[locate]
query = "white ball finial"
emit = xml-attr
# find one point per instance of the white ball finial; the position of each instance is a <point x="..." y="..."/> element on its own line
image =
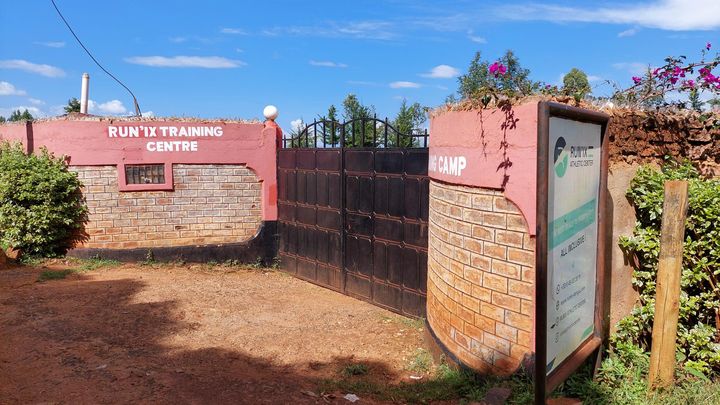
<point x="270" y="112"/>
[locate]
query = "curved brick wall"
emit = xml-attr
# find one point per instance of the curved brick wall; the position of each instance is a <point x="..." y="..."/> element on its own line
<point x="480" y="277"/>
<point x="210" y="204"/>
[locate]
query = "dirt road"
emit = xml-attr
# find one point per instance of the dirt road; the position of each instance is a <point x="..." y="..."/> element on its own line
<point x="186" y="334"/>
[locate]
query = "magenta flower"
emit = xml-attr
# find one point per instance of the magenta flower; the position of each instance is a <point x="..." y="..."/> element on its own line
<point x="708" y="46"/>
<point x="497" y="69"/>
<point x="690" y="84"/>
<point x="636" y="80"/>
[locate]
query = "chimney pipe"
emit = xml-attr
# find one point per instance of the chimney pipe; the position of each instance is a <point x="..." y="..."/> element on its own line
<point x="84" y="93"/>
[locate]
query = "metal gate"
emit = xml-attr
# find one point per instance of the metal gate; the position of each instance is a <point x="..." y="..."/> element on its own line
<point x="353" y="210"/>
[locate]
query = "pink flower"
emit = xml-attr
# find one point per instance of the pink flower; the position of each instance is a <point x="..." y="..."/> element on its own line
<point x="636" y="80"/>
<point x="497" y="69"/>
<point x="708" y="46"/>
<point x="690" y="84"/>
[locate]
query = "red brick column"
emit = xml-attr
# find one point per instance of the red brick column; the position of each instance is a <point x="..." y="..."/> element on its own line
<point x="480" y="277"/>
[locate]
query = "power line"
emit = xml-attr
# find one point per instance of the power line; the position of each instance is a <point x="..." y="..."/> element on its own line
<point x="137" y="107"/>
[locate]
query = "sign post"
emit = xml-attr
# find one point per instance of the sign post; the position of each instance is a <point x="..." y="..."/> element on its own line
<point x="569" y="258"/>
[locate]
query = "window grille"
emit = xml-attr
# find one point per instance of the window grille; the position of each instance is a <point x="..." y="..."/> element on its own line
<point x="145" y="174"/>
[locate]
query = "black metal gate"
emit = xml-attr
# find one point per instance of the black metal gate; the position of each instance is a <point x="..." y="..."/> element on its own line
<point x="353" y="211"/>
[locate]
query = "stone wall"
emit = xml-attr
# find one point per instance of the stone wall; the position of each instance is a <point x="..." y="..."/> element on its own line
<point x="210" y="204"/>
<point x="480" y="277"/>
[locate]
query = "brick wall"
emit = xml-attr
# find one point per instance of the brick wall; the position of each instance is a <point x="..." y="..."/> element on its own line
<point x="210" y="204"/>
<point x="480" y="277"/>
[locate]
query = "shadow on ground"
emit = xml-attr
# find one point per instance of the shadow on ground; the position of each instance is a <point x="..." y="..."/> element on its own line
<point x="81" y="340"/>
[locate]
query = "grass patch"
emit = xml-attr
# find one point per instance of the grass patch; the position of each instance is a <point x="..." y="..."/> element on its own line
<point x="96" y="263"/>
<point x="412" y="323"/>
<point x="55" y="274"/>
<point x="354" y="369"/>
<point x="622" y="380"/>
<point x="446" y="384"/>
<point x="421" y="362"/>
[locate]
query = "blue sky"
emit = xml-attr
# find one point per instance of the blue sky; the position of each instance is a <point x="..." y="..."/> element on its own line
<point x="231" y="58"/>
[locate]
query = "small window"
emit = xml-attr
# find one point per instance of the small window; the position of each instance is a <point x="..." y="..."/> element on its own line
<point x="145" y="174"/>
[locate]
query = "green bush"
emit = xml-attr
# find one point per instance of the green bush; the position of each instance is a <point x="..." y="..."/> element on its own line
<point x="41" y="209"/>
<point x="698" y="346"/>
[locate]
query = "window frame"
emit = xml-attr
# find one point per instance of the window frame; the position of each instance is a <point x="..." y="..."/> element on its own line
<point x="124" y="186"/>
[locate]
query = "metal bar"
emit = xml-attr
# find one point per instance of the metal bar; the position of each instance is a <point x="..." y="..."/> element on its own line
<point x="385" y="131"/>
<point x="362" y="128"/>
<point x="343" y="219"/>
<point x="374" y="124"/>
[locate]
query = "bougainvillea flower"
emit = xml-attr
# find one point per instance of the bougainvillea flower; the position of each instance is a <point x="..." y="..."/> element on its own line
<point x="636" y="80"/>
<point x="497" y="68"/>
<point x="690" y="84"/>
<point x="708" y="46"/>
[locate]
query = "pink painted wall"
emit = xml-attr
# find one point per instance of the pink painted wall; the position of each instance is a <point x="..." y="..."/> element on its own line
<point x="90" y="142"/>
<point x="499" y="148"/>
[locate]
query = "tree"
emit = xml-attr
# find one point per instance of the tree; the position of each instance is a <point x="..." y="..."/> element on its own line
<point x="408" y="118"/>
<point x="362" y="127"/>
<point x="299" y="138"/>
<point x="331" y="127"/>
<point x="576" y="84"/>
<point x="479" y="82"/>
<point x="73" y="106"/>
<point x="2" y="119"/>
<point x="20" y="116"/>
<point x="694" y="98"/>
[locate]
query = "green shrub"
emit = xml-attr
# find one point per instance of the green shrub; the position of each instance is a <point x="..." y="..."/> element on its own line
<point x="41" y="208"/>
<point x="698" y="336"/>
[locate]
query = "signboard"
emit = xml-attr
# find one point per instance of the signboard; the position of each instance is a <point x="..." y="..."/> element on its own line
<point x="570" y="271"/>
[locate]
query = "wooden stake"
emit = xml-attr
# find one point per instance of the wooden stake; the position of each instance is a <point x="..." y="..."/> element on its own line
<point x="667" y="294"/>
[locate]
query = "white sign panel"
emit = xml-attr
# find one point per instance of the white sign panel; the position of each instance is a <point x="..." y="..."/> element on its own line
<point x="573" y="198"/>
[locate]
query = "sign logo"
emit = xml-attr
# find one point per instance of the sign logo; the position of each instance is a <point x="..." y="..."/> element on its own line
<point x="561" y="157"/>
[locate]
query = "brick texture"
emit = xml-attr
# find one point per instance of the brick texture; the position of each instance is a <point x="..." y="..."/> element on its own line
<point x="210" y="204"/>
<point x="481" y="308"/>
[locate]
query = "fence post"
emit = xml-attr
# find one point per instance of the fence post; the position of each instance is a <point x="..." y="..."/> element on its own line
<point x="667" y="294"/>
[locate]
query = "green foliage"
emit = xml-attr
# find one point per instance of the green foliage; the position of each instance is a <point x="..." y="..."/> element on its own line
<point x="408" y="119"/>
<point x="73" y="106"/>
<point x="421" y="361"/>
<point x="20" y="116"/>
<point x="2" y="119"/>
<point x="698" y="338"/>
<point x="354" y="369"/>
<point x="622" y="380"/>
<point x="479" y="83"/>
<point x="353" y="109"/>
<point x="41" y="208"/>
<point x="694" y="99"/>
<point x="576" y="84"/>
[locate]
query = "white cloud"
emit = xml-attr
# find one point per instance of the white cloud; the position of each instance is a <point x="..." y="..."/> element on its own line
<point x="362" y="83"/>
<point x="148" y="114"/>
<point x="178" y="40"/>
<point x="45" y="70"/>
<point x="112" y="107"/>
<point x="296" y="125"/>
<point x="379" y="30"/>
<point x="672" y="15"/>
<point x="593" y="78"/>
<point x="36" y="101"/>
<point x="52" y="44"/>
<point x="239" y="50"/>
<point x="628" y="33"/>
<point x="208" y="62"/>
<point x="442" y="72"/>
<point x="404" y="85"/>
<point x="233" y="31"/>
<point x="636" y="68"/>
<point x="7" y="89"/>
<point x="327" y="63"/>
<point x="475" y="38"/>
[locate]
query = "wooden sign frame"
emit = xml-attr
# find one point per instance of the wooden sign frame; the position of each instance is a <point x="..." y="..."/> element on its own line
<point x="545" y="383"/>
